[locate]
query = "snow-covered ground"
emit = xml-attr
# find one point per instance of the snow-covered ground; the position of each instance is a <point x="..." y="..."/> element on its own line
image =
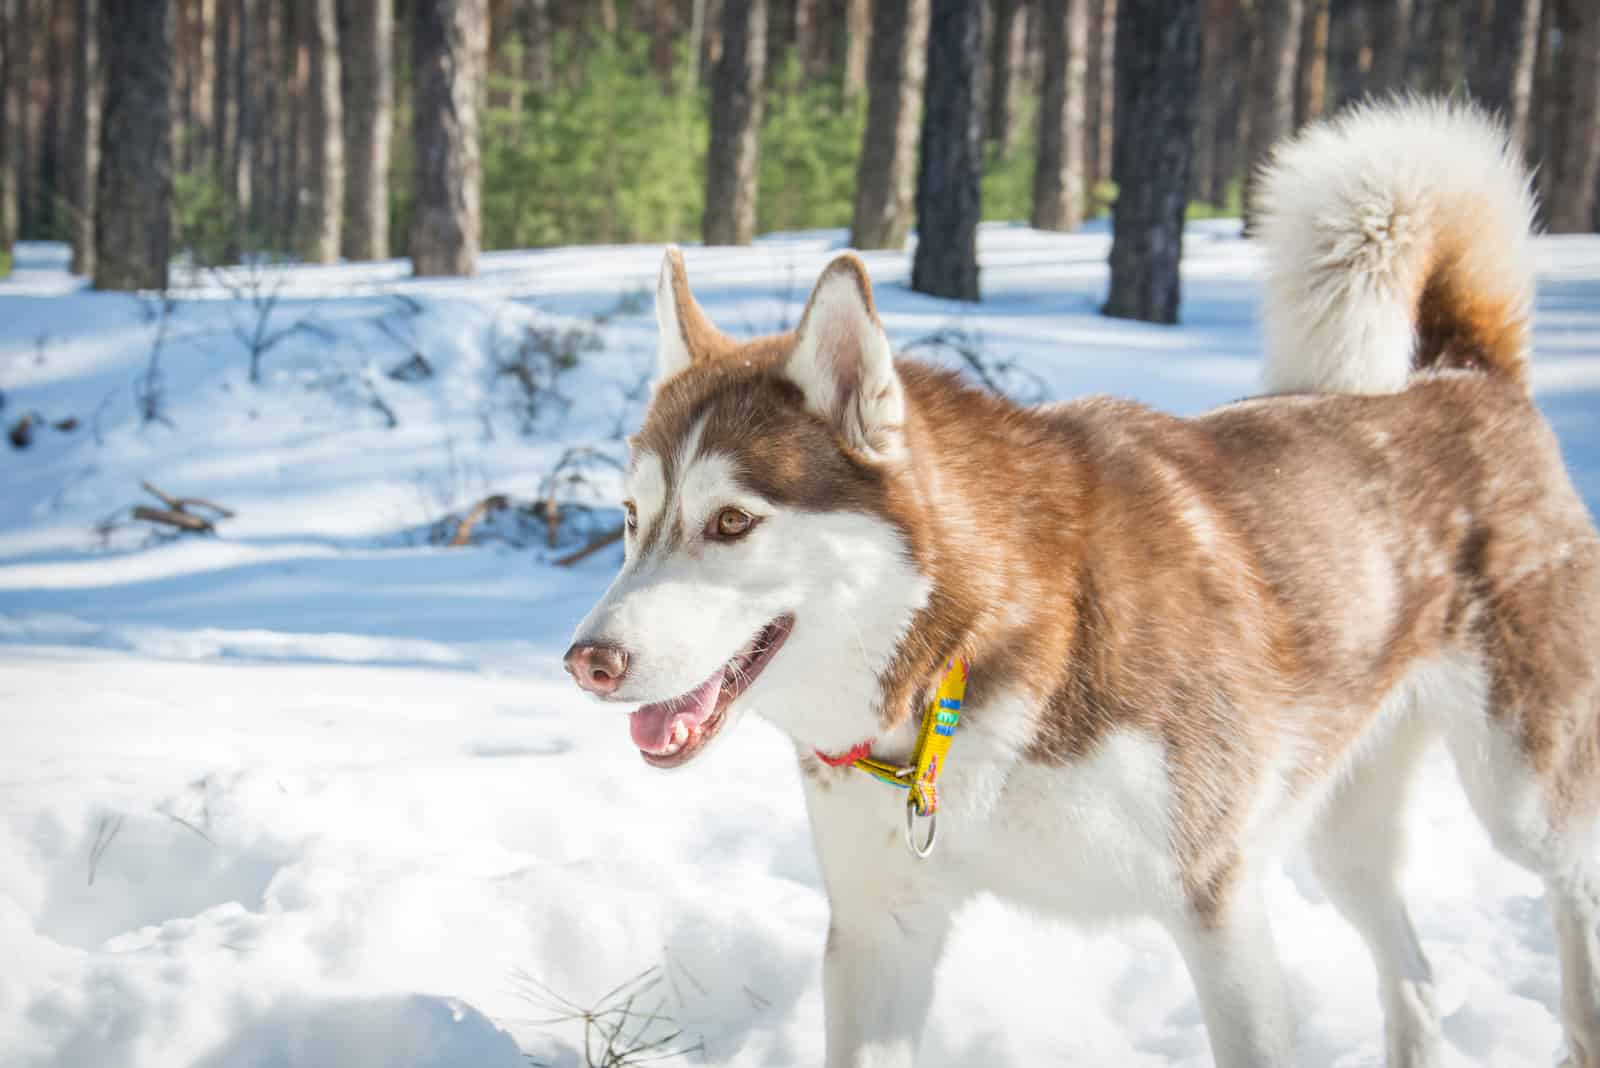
<point x="315" y="791"/>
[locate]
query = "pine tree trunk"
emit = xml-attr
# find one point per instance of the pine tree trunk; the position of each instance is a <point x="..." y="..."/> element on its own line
<point x="272" y="195"/>
<point x="1391" y="43"/>
<point x="538" y="59"/>
<point x="1100" y="91"/>
<point x="448" y="44"/>
<point x="1544" y="113"/>
<point x="1575" y="164"/>
<point x="241" y="144"/>
<point x="1215" y="69"/>
<point x="949" y="179"/>
<point x="1006" y="58"/>
<point x="1505" y="73"/>
<point x="24" y="126"/>
<point x="292" y="135"/>
<point x="9" y="93"/>
<point x="1311" y="67"/>
<point x="808" y="31"/>
<point x="887" y="171"/>
<point x="663" y="33"/>
<point x="1232" y="133"/>
<point x="324" y="200"/>
<point x="224" y="106"/>
<point x="1058" y="182"/>
<point x="366" y="43"/>
<point x="1271" y="86"/>
<point x="133" y="230"/>
<point x="53" y="128"/>
<point x="733" y="158"/>
<point x="83" y="158"/>
<point x="1447" y="59"/>
<point x="202" y="120"/>
<point x="1350" y="50"/>
<point x="857" y="38"/>
<point x="1158" y="70"/>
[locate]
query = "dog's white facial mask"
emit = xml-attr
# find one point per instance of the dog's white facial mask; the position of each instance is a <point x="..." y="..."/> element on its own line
<point x="797" y="614"/>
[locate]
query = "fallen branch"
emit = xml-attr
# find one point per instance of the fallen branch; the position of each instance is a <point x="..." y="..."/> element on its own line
<point x="489" y="504"/>
<point x="183" y="504"/>
<point x="610" y="537"/>
<point x="194" y="524"/>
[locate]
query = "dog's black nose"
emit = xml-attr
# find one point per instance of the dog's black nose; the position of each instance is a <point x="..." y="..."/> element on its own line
<point x="597" y="666"/>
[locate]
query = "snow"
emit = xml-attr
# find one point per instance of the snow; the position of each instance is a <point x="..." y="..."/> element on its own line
<point x="316" y="791"/>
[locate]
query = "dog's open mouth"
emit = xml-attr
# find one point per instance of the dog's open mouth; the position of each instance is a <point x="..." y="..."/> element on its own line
<point x="670" y="733"/>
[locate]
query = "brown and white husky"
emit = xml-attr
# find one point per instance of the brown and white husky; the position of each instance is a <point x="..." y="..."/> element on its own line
<point x="1191" y="641"/>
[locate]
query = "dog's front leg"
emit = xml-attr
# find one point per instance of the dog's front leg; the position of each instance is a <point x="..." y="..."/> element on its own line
<point x="877" y="978"/>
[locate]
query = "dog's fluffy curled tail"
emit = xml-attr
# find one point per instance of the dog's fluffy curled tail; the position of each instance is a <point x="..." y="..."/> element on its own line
<point x="1396" y="240"/>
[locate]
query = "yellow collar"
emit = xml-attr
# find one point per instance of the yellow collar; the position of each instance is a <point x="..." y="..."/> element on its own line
<point x="928" y="757"/>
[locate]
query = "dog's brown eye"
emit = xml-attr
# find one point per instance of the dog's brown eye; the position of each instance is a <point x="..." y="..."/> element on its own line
<point x="631" y="517"/>
<point x="731" y="523"/>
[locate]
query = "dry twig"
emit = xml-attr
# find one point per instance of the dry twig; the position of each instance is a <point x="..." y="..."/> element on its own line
<point x="610" y="537"/>
<point x="493" y="503"/>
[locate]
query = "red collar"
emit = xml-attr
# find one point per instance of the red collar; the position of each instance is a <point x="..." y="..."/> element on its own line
<point x="856" y="752"/>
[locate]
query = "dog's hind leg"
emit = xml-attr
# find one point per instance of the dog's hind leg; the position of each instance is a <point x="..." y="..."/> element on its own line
<point x="1528" y="754"/>
<point x="1234" y="965"/>
<point x="1357" y="848"/>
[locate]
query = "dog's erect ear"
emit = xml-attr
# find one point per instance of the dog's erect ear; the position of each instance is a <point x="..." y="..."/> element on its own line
<point x="842" y="362"/>
<point x="686" y="334"/>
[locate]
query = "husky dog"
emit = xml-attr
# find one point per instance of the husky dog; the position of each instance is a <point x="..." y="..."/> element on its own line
<point x="1190" y="641"/>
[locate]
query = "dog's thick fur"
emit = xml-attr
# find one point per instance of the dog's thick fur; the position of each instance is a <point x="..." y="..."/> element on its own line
<point x="1191" y="641"/>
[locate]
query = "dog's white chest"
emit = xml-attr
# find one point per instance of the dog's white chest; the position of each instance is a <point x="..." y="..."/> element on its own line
<point x="1089" y="838"/>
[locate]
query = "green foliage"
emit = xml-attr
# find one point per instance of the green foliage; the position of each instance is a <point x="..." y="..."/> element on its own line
<point x="1232" y="206"/>
<point x="810" y="142"/>
<point x="5" y="263"/>
<point x="612" y="159"/>
<point x="1008" y="178"/>
<point x="202" y="218"/>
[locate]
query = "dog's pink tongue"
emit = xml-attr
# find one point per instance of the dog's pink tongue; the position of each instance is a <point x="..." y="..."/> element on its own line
<point x="651" y="725"/>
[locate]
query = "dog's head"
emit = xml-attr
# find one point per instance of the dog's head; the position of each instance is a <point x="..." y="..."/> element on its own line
<point x="764" y="569"/>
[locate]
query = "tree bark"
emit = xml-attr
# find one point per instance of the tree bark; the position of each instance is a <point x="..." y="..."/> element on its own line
<point x="857" y="38"/>
<point x="538" y="59"/>
<point x="1575" y="157"/>
<point x="226" y="46"/>
<point x="1007" y="44"/>
<point x="10" y="98"/>
<point x="24" y="118"/>
<point x="83" y="158"/>
<point x="808" y="35"/>
<point x="733" y="158"/>
<point x="448" y="43"/>
<point x="887" y="170"/>
<point x="1058" y="181"/>
<point x="1447" y="57"/>
<point x="324" y="202"/>
<point x="133" y="238"/>
<point x="202" y="135"/>
<point x="1351" y="52"/>
<point x="1505" y="74"/>
<point x="1311" y="67"/>
<point x="242" y="145"/>
<point x="53" y="130"/>
<point x="1391" y="43"/>
<point x="1232" y="131"/>
<point x="1272" y="84"/>
<point x="366" y="41"/>
<point x="1216" y="67"/>
<point x="1100" y="91"/>
<point x="949" y="180"/>
<point x="1158" y="70"/>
